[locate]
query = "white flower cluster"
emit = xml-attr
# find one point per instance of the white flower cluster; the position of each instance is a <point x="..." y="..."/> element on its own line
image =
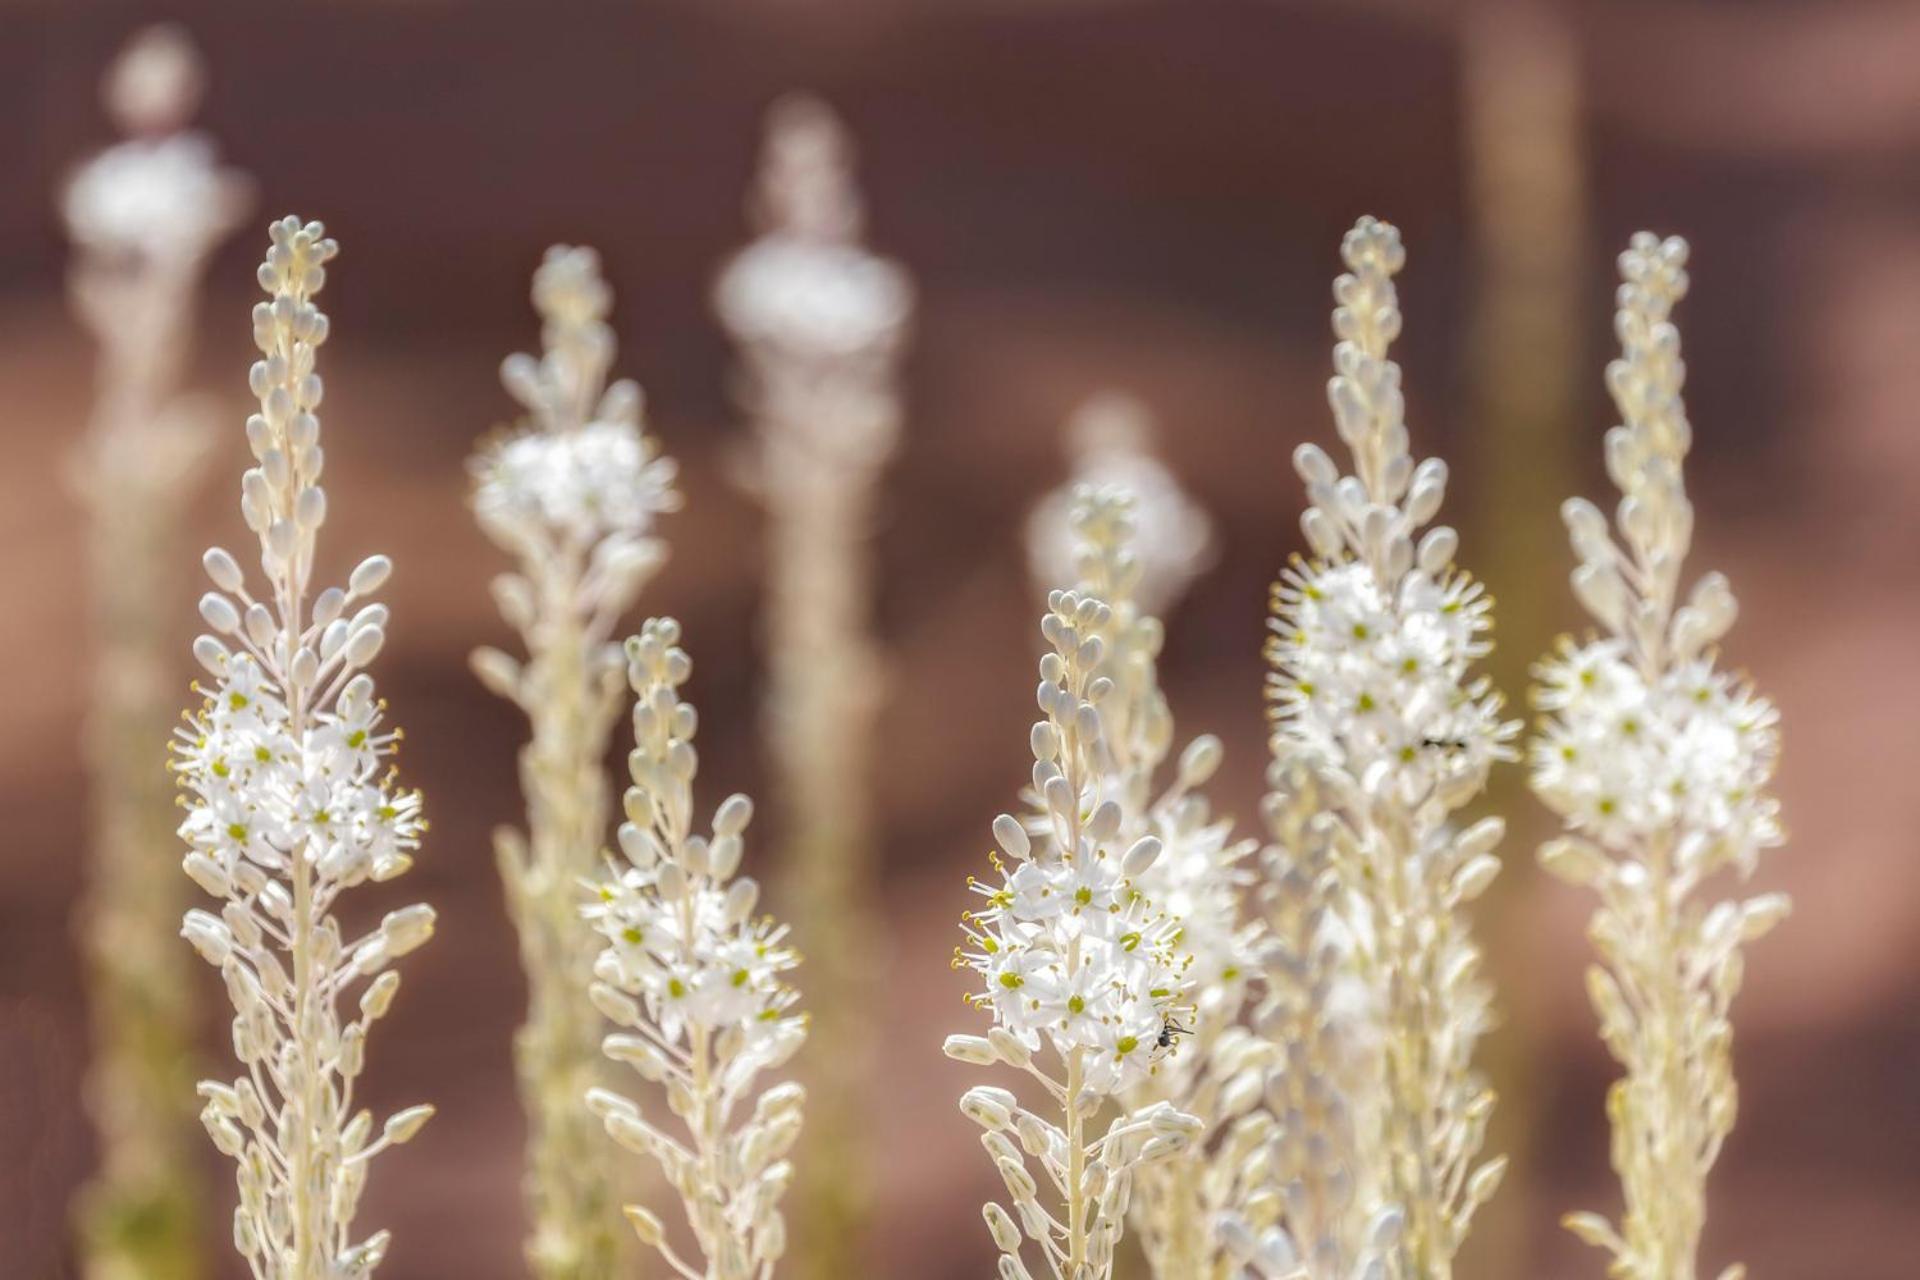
<point x="1072" y="957"/>
<point x="695" y="982"/>
<point x="602" y="479"/>
<point x="1200" y="874"/>
<point x="289" y="802"/>
<point x="1067" y="947"/>
<point x="1111" y="439"/>
<point x="1624" y="759"/>
<point x="263" y="790"/>
<point x="1200" y="879"/>
<point x="161" y="197"/>
<point x="1658" y="762"/>
<point x="581" y="472"/>
<point x="1372" y="692"/>
<point x="1374" y="675"/>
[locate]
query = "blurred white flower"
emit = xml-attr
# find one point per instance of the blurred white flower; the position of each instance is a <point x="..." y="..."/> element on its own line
<point x="1110" y="438"/>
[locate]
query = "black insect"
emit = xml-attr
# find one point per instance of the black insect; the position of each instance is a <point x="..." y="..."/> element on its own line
<point x="1445" y="744"/>
<point x="1169" y="1031"/>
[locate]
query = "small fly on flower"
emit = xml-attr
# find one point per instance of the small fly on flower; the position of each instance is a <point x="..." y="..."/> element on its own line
<point x="1170" y="1032"/>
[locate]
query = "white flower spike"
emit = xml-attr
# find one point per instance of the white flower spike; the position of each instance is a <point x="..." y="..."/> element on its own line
<point x="290" y="801"/>
<point x="1080" y="973"/>
<point x="1659" y="763"/>
<point x="572" y="494"/>
<point x="1187" y="863"/>
<point x="1374" y="639"/>
<point x="696" y="984"/>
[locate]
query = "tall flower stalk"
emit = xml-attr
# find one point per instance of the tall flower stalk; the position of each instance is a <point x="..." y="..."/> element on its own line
<point x="572" y="495"/>
<point x="143" y="214"/>
<point x="290" y="801"/>
<point x="820" y="323"/>
<point x="1081" y="974"/>
<point x="1200" y="878"/>
<point x="1658" y="762"/>
<point x="696" y="984"/>
<point x="1373" y="641"/>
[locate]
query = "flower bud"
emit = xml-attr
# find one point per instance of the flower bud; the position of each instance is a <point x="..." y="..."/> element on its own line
<point x="219" y="613"/>
<point x="222" y="569"/>
<point x="970" y="1049"/>
<point x="1140" y="857"/>
<point x="988" y="1107"/>
<point x="369" y="575"/>
<point x="1011" y="837"/>
<point x="733" y="815"/>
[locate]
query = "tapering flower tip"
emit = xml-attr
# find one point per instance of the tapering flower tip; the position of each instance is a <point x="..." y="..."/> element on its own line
<point x="1373" y="245"/>
<point x="296" y="262"/>
<point x="569" y="290"/>
<point x="806" y="172"/>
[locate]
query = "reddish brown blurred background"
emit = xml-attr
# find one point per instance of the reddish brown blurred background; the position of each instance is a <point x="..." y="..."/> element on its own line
<point x="1139" y="195"/>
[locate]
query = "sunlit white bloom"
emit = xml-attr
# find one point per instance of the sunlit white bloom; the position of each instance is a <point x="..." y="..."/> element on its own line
<point x="580" y="474"/>
<point x="1623" y="760"/>
<point x="1376" y="676"/>
<point x="1061" y="916"/>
